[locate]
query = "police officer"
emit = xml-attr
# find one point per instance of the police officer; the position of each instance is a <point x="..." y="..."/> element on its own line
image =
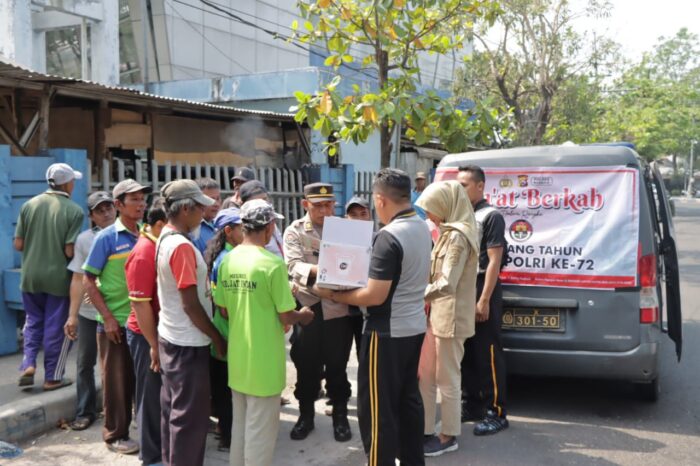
<point x="326" y="342"/>
<point x="483" y="366"/>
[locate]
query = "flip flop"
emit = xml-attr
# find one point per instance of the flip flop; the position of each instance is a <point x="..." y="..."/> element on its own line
<point x="64" y="383"/>
<point x="26" y="380"/>
<point x="81" y="423"/>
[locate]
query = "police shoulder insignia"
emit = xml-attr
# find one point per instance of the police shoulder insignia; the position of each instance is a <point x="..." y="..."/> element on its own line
<point x="308" y="226"/>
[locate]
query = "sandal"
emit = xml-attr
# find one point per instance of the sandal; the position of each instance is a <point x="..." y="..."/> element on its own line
<point x="27" y="379"/>
<point x="81" y="423"/>
<point x="49" y="387"/>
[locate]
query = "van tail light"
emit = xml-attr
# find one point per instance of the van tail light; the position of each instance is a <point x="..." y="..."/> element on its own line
<point x="648" y="297"/>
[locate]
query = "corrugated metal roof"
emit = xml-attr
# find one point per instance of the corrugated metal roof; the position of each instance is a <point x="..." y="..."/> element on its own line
<point x="91" y="90"/>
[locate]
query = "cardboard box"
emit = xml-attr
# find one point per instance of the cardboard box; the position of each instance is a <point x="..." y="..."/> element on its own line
<point x="345" y="253"/>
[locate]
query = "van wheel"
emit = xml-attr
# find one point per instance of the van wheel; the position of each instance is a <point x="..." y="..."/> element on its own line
<point x="648" y="391"/>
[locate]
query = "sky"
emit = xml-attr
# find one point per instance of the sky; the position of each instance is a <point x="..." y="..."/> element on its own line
<point x="637" y="24"/>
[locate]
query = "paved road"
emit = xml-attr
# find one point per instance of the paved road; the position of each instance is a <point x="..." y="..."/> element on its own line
<point x="553" y="421"/>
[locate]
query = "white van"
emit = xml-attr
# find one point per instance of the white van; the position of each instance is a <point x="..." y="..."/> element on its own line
<point x="591" y="282"/>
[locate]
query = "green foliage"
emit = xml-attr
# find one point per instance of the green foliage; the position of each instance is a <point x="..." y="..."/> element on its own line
<point x="388" y="36"/>
<point x="656" y="103"/>
<point x="535" y="65"/>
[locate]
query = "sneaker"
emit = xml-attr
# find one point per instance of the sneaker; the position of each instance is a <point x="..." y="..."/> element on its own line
<point x="491" y="424"/>
<point x="434" y="447"/>
<point x="124" y="446"/>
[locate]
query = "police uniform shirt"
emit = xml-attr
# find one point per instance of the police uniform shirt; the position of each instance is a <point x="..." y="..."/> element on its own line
<point x="302" y="242"/>
<point x="493" y="234"/>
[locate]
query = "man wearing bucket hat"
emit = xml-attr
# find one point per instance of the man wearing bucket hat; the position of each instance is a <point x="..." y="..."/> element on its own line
<point x="185" y="329"/>
<point x="47" y="228"/>
<point x="105" y="284"/>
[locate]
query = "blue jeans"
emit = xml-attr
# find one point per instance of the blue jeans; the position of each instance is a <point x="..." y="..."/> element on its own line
<point x="87" y="358"/>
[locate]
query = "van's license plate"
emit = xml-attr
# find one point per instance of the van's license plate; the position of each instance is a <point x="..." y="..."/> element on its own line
<point x="532" y="319"/>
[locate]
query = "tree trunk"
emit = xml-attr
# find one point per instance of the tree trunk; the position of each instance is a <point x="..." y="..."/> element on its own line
<point x="384" y="131"/>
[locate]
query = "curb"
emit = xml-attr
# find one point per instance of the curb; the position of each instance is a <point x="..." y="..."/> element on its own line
<point x="27" y="418"/>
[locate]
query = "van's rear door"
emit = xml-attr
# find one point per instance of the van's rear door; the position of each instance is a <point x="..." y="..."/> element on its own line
<point x="668" y="249"/>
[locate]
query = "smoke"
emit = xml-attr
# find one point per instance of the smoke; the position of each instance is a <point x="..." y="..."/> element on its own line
<point x="240" y="136"/>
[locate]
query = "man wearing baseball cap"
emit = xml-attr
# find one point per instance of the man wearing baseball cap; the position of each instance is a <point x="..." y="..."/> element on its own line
<point x="357" y="208"/>
<point x="105" y="283"/>
<point x="254" y="189"/>
<point x="82" y="319"/>
<point x="420" y="181"/>
<point x="185" y="329"/>
<point x="242" y="176"/>
<point x="253" y="287"/>
<point x="328" y="340"/>
<point x="47" y="228"/>
<point x="229" y="234"/>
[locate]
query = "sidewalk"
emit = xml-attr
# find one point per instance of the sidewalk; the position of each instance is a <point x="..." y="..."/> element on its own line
<point x="29" y="418"/>
<point x="29" y="411"/>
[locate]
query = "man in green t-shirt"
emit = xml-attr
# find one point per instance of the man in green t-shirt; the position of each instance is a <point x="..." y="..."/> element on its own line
<point x="252" y="286"/>
<point x="47" y="227"/>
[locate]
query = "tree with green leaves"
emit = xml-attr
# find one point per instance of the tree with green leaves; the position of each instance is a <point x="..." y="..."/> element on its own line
<point x="655" y="103"/>
<point x="389" y="36"/>
<point x="533" y="60"/>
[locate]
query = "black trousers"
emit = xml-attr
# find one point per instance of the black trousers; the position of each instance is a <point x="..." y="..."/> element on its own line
<point x="221" y="396"/>
<point x="390" y="408"/>
<point x="483" y="365"/>
<point x="322" y="344"/>
<point x="357" y="322"/>
<point x="148" y="385"/>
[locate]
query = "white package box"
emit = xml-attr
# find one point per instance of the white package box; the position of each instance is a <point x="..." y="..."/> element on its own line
<point x="345" y="253"/>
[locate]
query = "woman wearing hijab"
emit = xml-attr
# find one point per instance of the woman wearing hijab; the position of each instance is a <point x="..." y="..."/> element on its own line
<point x="451" y="295"/>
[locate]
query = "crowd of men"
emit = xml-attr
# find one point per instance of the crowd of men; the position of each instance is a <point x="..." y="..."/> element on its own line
<point x="187" y="303"/>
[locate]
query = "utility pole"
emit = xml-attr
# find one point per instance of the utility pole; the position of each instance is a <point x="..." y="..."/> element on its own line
<point x="691" y="178"/>
<point x="144" y="31"/>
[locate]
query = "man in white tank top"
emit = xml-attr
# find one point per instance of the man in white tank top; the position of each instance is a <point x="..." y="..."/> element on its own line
<point x="185" y="329"/>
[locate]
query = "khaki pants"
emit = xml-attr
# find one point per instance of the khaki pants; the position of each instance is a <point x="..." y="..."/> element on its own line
<point x="439" y="367"/>
<point x="256" y="422"/>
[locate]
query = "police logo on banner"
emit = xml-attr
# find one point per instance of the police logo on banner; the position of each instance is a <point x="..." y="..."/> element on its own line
<point x="520" y="230"/>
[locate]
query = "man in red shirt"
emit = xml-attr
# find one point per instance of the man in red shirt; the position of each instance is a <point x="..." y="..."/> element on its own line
<point x="141" y="334"/>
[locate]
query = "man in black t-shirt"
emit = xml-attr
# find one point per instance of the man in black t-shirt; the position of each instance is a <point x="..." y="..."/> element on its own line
<point x="390" y="408"/>
<point x="483" y="366"/>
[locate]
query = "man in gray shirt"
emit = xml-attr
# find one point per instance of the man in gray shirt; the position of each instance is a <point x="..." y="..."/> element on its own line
<point x="82" y="324"/>
<point x="390" y="408"/>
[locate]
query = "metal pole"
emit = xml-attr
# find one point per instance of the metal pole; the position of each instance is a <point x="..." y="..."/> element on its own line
<point x="689" y="191"/>
<point x="84" y="60"/>
<point x="144" y="32"/>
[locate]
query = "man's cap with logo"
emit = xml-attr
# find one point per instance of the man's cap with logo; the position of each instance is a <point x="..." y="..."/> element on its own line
<point x="319" y="192"/>
<point x="259" y="212"/>
<point x="129" y="186"/>
<point x="97" y="198"/>
<point x="251" y="189"/>
<point x="356" y="200"/>
<point x="185" y="189"/>
<point x="228" y="216"/>
<point x="61" y="173"/>
<point x="244" y="174"/>
<point x="421" y="176"/>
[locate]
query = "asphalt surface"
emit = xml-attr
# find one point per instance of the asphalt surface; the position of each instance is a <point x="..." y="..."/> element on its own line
<point x="553" y="421"/>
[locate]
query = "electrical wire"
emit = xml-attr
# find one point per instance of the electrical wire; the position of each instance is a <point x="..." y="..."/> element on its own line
<point x="229" y="13"/>
<point x="233" y="60"/>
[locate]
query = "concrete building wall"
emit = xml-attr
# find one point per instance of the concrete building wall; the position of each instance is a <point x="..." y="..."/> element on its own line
<point x="24" y="23"/>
